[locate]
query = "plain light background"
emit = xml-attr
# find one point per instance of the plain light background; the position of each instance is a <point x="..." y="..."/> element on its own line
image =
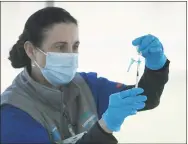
<point x="106" y="32"/>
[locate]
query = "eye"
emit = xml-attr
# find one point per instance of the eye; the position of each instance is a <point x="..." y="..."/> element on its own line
<point x="75" y="47"/>
<point x="60" y="47"/>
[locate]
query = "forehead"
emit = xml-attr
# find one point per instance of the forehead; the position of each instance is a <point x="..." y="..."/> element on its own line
<point x="63" y="32"/>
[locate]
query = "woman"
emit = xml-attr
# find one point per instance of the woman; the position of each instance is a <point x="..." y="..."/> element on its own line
<point x="49" y="101"/>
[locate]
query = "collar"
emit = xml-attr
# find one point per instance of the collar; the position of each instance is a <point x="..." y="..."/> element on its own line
<point x="51" y="96"/>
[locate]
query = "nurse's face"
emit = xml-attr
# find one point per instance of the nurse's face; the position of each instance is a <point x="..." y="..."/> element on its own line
<point x="61" y="38"/>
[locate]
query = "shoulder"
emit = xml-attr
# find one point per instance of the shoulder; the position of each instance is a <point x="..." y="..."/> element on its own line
<point x="90" y="76"/>
<point x="102" y="83"/>
<point x="91" y="79"/>
<point x="19" y="127"/>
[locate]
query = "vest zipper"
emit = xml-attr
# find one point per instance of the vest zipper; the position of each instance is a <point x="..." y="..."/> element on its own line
<point x="64" y="115"/>
<point x="61" y="115"/>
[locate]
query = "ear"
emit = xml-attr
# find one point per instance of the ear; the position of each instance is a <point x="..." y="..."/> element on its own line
<point x="29" y="49"/>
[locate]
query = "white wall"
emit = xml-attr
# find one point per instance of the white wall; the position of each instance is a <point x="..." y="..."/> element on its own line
<point x="13" y="18"/>
<point x="106" y="33"/>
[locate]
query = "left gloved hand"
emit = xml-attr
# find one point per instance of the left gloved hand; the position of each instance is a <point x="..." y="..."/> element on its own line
<point x="152" y="50"/>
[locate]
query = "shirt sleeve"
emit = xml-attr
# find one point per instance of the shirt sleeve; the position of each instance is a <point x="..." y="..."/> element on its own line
<point x="152" y="81"/>
<point x="101" y="89"/>
<point x="18" y="127"/>
<point x="96" y="135"/>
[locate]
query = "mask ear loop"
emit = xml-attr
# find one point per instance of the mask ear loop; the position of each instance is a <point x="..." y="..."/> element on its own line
<point x="36" y="64"/>
<point x="35" y="60"/>
<point x="42" y="52"/>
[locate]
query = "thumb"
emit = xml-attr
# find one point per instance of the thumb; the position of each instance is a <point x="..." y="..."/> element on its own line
<point x="137" y="41"/>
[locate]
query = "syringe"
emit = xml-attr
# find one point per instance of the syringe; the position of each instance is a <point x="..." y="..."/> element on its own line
<point x="138" y="67"/>
<point x="137" y="71"/>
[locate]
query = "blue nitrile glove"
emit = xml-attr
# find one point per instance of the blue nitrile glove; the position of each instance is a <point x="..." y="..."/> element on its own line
<point x="152" y="50"/>
<point x="122" y="105"/>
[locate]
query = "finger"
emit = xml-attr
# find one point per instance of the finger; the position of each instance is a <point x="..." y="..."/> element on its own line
<point x="136" y="91"/>
<point x="140" y="98"/>
<point x="137" y="41"/>
<point x="145" y="51"/>
<point x="133" y="112"/>
<point x="155" y="49"/>
<point x="140" y="106"/>
<point x="135" y="106"/>
<point x="146" y="42"/>
<point x="151" y="47"/>
<point x="131" y="92"/>
<point x="155" y="42"/>
<point x="140" y="40"/>
<point x="144" y="97"/>
<point x="133" y="100"/>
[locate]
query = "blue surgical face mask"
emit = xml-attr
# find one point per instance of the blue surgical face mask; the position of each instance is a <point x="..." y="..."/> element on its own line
<point x="60" y="68"/>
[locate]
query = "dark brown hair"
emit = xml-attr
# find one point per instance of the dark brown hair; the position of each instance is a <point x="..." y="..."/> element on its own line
<point x="34" y="29"/>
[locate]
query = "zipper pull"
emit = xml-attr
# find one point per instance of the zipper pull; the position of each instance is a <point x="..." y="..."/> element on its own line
<point x="56" y="135"/>
<point x="71" y="129"/>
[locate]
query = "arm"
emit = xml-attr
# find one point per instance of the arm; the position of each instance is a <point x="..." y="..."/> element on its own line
<point x="156" y="70"/>
<point x="98" y="134"/>
<point x="153" y="82"/>
<point x="18" y="127"/>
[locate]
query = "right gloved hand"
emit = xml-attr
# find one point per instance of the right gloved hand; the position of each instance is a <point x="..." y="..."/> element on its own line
<point x="122" y="105"/>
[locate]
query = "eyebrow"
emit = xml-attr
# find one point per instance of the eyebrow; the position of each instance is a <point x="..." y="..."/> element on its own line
<point x="64" y="42"/>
